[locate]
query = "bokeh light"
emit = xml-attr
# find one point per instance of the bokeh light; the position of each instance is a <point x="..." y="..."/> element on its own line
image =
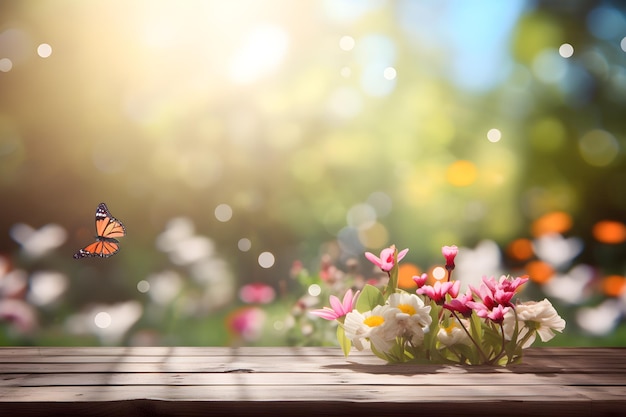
<point x="314" y="290"/>
<point x="461" y="173"/>
<point x="143" y="286"/>
<point x="520" y="249"/>
<point x="494" y="135"/>
<point x="598" y="147"/>
<point x="102" y="320"/>
<point x="266" y="260"/>
<point x="609" y="231"/>
<point x="223" y="212"/>
<point x="244" y="244"/>
<point x="346" y="43"/>
<point x="406" y="272"/>
<point x="553" y="222"/>
<point x="614" y="285"/>
<point x="539" y="271"/>
<point x="5" y="64"/>
<point x="439" y="273"/>
<point x="566" y="50"/>
<point x="44" y="50"/>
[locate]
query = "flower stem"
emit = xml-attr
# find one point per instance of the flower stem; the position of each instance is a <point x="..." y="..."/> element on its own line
<point x="501" y="353"/>
<point x="485" y="359"/>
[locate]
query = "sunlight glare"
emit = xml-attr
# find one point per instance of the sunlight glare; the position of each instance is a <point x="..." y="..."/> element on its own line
<point x="346" y="43"/>
<point x="262" y="51"/>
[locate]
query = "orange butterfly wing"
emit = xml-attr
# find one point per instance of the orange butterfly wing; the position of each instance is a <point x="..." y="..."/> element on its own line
<point x="108" y="228"/>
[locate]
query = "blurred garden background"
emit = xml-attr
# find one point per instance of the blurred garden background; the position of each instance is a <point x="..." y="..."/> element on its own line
<point x="255" y="149"/>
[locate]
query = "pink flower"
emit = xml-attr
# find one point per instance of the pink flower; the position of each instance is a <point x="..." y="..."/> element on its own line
<point x="246" y="323"/>
<point x="449" y="252"/>
<point x="257" y="293"/>
<point x="385" y="262"/>
<point x="495" y="314"/>
<point x="485" y="294"/>
<point x="19" y="313"/>
<point x="420" y="280"/>
<point x="502" y="291"/>
<point x="438" y="292"/>
<point x="495" y="297"/>
<point x="339" y="309"/>
<point x="460" y="303"/>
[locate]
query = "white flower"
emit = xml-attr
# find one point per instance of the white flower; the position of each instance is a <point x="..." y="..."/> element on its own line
<point x="454" y="334"/>
<point x="533" y="317"/>
<point x="363" y="328"/>
<point x="411" y="319"/>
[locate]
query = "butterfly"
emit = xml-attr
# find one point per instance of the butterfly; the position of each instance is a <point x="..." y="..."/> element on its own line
<point x="108" y="228"/>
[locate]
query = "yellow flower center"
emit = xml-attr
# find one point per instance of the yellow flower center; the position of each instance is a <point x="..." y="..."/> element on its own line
<point x="450" y="327"/>
<point x="373" y="321"/>
<point x="407" y="309"/>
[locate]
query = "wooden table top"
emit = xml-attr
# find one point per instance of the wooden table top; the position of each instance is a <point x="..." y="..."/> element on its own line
<point x="149" y="381"/>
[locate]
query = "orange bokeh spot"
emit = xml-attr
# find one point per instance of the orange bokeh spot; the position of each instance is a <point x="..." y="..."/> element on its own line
<point x="608" y="231"/>
<point x="406" y="271"/>
<point x="554" y="222"/>
<point x="520" y="249"/>
<point x="614" y="285"/>
<point x="539" y="271"/>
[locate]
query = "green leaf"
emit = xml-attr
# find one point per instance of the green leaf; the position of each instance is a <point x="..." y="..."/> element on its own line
<point x="344" y="341"/>
<point x="476" y="326"/>
<point x="369" y="298"/>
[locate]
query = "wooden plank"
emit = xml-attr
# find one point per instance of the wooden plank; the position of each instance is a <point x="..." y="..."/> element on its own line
<point x="246" y="367"/>
<point x="373" y="393"/>
<point x="286" y="364"/>
<point x="150" y="408"/>
<point x="307" y="381"/>
<point x="535" y="355"/>
<point x="266" y="351"/>
<point x="304" y="379"/>
<point x="176" y="351"/>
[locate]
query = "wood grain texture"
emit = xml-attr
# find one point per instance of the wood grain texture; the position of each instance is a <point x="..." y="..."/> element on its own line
<point x="153" y="381"/>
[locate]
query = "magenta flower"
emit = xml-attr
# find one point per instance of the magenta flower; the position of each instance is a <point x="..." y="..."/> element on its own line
<point x="449" y="252"/>
<point x="246" y="323"/>
<point x="257" y="293"/>
<point x="495" y="314"/>
<point x="495" y="297"/>
<point x="459" y="303"/>
<point x="386" y="262"/>
<point x="337" y="308"/>
<point x="502" y="291"/>
<point x="485" y="294"/>
<point x="438" y="292"/>
<point x="420" y="280"/>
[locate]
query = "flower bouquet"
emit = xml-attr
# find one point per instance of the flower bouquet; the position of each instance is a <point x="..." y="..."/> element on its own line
<point x="439" y="324"/>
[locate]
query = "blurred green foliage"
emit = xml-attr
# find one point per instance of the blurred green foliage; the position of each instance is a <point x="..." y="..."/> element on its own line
<point x="319" y="128"/>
